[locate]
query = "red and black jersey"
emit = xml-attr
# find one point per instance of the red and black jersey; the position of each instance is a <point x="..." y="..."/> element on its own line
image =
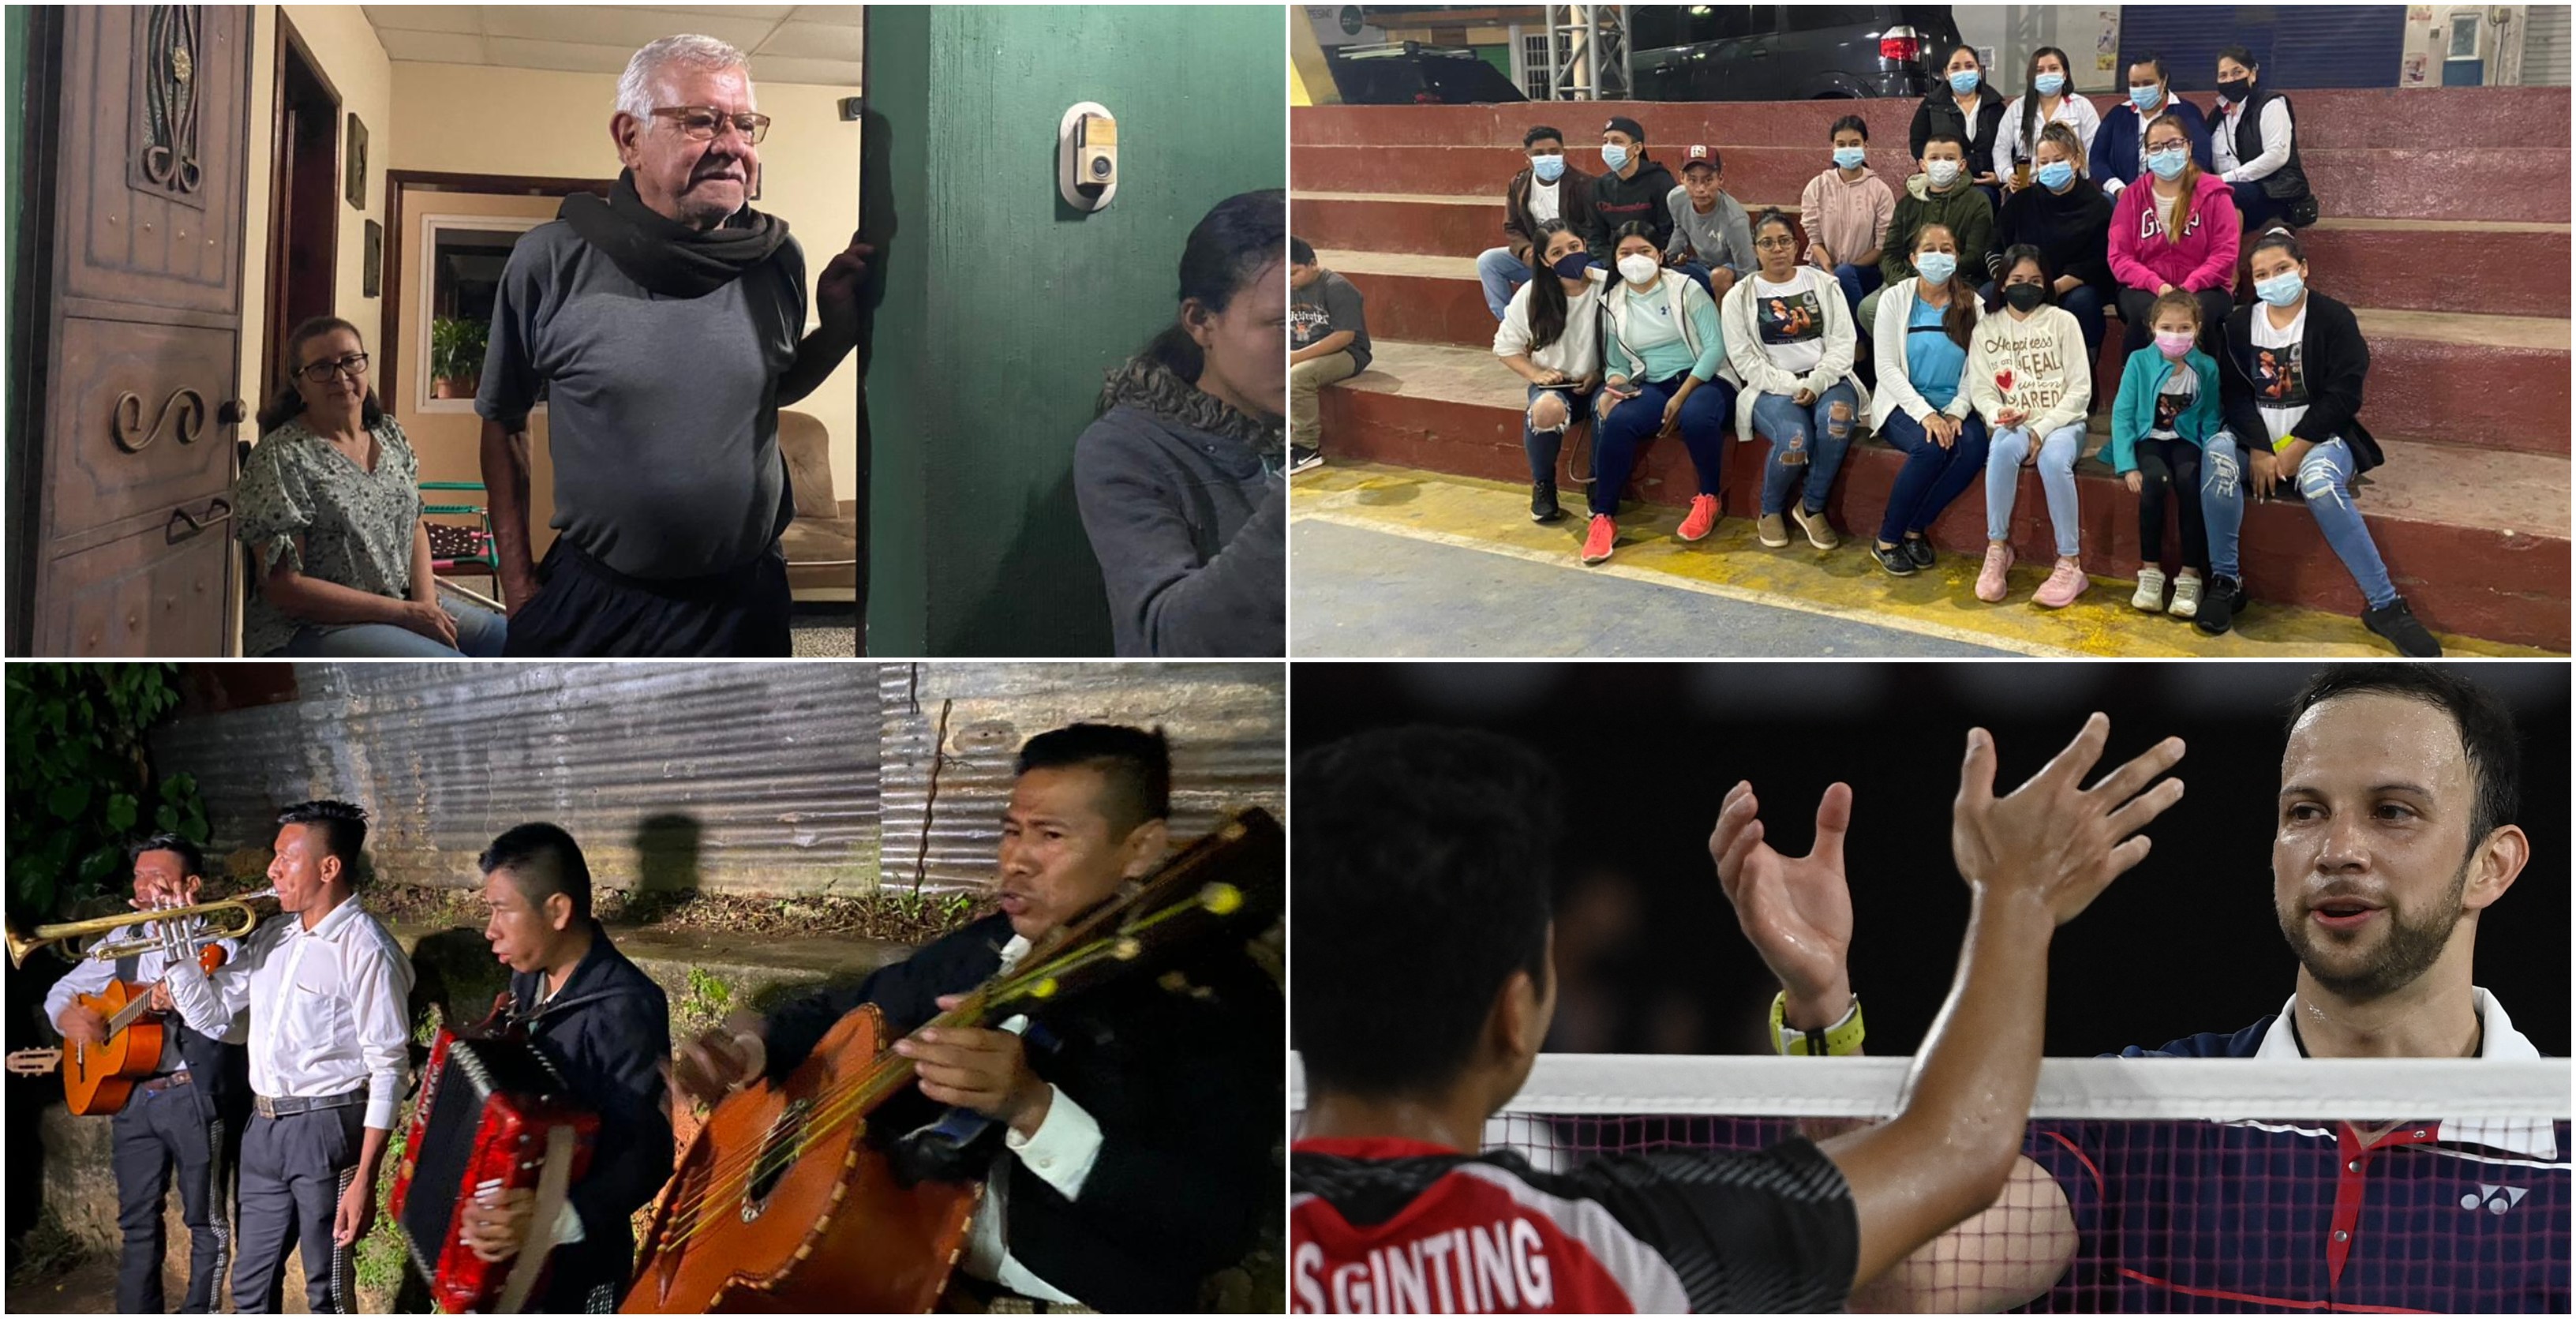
<point x="1400" y="1226"/>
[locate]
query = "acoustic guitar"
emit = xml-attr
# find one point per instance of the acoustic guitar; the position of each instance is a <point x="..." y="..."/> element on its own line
<point x="782" y="1204"/>
<point x="99" y="1078"/>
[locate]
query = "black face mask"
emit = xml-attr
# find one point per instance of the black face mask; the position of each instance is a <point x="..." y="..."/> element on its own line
<point x="2024" y="297"/>
<point x="2235" y="90"/>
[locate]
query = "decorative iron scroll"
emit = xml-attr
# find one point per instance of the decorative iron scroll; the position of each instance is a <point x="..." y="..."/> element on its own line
<point x="184" y="412"/>
<point x="166" y="76"/>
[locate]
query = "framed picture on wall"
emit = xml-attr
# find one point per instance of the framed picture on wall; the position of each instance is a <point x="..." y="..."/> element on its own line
<point x="371" y="280"/>
<point x="357" y="158"/>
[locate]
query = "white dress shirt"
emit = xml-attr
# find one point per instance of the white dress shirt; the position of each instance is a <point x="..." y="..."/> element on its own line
<point x="328" y="1007"/>
<point x="90" y="977"/>
<point x="2275" y="128"/>
<point x="1067" y="1143"/>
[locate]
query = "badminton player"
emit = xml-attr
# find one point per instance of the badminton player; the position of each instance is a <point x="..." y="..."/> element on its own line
<point x="2394" y="836"/>
<point x="1423" y="989"/>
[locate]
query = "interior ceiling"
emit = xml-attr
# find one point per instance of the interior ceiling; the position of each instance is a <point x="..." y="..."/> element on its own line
<point x="816" y="44"/>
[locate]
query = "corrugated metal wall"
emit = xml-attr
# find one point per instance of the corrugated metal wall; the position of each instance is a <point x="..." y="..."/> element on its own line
<point x="2544" y="46"/>
<point x="742" y="778"/>
<point x="1227" y="724"/>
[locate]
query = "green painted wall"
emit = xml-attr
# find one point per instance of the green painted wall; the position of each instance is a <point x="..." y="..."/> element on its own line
<point x="1003" y="306"/>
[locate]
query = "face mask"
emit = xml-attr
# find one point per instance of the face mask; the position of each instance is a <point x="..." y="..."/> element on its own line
<point x="2236" y="89"/>
<point x="1943" y="172"/>
<point x="1615" y="156"/>
<point x="2145" y="98"/>
<point x="1572" y="265"/>
<point x="2172" y="345"/>
<point x="1936" y="267"/>
<point x="2049" y="84"/>
<point x="1638" y="268"/>
<point x="1964" y="83"/>
<point x="2280" y="290"/>
<point x="1549" y="168"/>
<point x="2023" y="297"/>
<point x="2167" y="163"/>
<point x="1850" y="157"/>
<point x="2055" y="174"/>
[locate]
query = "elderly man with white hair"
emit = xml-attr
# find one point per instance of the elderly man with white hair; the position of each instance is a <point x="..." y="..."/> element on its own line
<point x="664" y="328"/>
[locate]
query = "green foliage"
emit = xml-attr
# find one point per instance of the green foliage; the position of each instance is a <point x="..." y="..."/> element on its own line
<point x="709" y="998"/>
<point x="48" y="1250"/>
<point x="380" y="1254"/>
<point x="456" y="347"/>
<point x="80" y="781"/>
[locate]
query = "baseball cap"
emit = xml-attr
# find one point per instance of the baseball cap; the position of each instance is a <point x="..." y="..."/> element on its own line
<point x="1701" y="155"/>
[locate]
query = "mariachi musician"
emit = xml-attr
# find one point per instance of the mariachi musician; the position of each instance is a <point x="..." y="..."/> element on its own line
<point x="326" y="988"/>
<point x="607" y="1027"/>
<point x="1125" y="1142"/>
<point x="180" y="1116"/>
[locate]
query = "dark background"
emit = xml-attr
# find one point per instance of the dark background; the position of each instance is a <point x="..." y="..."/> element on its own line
<point x="1651" y="956"/>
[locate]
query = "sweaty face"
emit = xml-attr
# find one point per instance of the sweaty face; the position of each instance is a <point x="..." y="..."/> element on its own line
<point x="2369" y="863"/>
<point x="518" y="932"/>
<point x="696" y="183"/>
<point x="302" y="852"/>
<point x="1060" y="853"/>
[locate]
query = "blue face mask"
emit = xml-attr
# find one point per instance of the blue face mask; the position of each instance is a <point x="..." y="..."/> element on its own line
<point x="1615" y="156"/>
<point x="2049" y="84"/>
<point x="1850" y="157"/>
<point x="2145" y="98"/>
<point x="2280" y="290"/>
<point x="1936" y="267"/>
<point x="1964" y="83"/>
<point x="1549" y="168"/>
<point x="1572" y="265"/>
<point x="2168" y="163"/>
<point x="2055" y="174"/>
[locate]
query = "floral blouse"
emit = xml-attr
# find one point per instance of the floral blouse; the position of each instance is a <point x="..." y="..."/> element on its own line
<point x="357" y="525"/>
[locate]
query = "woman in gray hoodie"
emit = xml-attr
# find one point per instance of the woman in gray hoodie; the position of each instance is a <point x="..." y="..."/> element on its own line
<point x="1180" y="479"/>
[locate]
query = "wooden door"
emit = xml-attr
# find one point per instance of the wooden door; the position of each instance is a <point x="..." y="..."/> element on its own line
<point x="130" y="344"/>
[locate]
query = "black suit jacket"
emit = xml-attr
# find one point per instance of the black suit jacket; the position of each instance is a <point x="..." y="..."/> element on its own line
<point x="609" y="1032"/>
<point x="1184" y="1077"/>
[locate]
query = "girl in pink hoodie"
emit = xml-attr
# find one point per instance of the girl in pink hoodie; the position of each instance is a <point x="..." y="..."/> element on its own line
<point x="2174" y="230"/>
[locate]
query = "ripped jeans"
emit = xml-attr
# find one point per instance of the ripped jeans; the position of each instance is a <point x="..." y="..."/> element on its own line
<point x="1821" y="432"/>
<point x="2324" y="482"/>
<point x="1542" y="444"/>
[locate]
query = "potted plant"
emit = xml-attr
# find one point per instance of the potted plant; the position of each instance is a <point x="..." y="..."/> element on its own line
<point x="456" y="347"/>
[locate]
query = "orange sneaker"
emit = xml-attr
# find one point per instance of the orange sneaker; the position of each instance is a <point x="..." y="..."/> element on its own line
<point x="1702" y="519"/>
<point x="1596" y="542"/>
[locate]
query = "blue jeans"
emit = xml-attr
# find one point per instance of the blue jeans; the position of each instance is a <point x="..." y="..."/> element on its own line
<point x="2057" y="455"/>
<point x="2325" y="485"/>
<point x="1544" y="445"/>
<point x="1858" y="282"/>
<point x="1932" y="476"/>
<point x="1699" y="276"/>
<point x="479" y="635"/>
<point x="1499" y="271"/>
<point x="1813" y="431"/>
<point x="1617" y="436"/>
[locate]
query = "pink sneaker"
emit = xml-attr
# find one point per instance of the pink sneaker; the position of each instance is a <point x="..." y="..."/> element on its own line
<point x="1597" y="538"/>
<point x="1990" y="578"/>
<point x="2065" y="582"/>
<point x="1702" y="519"/>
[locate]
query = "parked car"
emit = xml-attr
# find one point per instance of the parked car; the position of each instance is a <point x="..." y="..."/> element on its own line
<point x="1785" y="52"/>
<point x="1410" y="73"/>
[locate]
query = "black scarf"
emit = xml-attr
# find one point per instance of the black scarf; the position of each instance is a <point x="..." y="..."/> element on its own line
<point x="664" y="255"/>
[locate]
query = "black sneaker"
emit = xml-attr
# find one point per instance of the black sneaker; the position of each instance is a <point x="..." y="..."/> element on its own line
<point x="1893" y="558"/>
<point x="1301" y="459"/>
<point x="2219" y="602"/>
<point x="1919" y="550"/>
<point x="1543" y="502"/>
<point x="2397" y="623"/>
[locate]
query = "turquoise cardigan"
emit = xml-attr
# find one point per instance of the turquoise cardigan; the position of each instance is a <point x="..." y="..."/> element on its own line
<point x="2135" y="409"/>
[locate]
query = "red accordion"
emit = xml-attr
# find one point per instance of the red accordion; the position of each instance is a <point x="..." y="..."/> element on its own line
<point x="494" y="1115"/>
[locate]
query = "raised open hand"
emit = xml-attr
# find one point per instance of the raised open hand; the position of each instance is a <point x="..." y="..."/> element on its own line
<point x="1796" y="911"/>
<point x="2052" y="838"/>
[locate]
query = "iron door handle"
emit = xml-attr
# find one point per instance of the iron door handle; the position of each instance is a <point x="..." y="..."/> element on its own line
<point x="184" y="526"/>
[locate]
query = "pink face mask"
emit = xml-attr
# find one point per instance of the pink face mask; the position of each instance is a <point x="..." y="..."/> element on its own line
<point x="2173" y="344"/>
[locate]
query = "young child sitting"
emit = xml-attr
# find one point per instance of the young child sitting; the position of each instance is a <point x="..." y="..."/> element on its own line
<point x="2166" y="413"/>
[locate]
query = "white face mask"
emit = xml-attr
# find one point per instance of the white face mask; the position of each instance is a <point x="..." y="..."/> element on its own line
<point x="1943" y="172"/>
<point x="1637" y="268"/>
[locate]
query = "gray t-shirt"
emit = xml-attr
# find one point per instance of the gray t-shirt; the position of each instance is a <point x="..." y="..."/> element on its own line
<point x="662" y="413"/>
<point x="1723" y="237"/>
<point x="1329" y="306"/>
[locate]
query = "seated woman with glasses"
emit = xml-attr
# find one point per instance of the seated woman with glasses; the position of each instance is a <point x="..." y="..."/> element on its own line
<point x="330" y="508"/>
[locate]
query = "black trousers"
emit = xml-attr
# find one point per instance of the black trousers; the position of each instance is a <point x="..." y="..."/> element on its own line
<point x="157" y="1132"/>
<point x="2171" y="467"/>
<point x="293" y="1171"/>
<point x="588" y="610"/>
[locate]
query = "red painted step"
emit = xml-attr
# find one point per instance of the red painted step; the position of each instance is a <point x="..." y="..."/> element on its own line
<point x="2463" y="379"/>
<point x="2476" y="540"/>
<point x="2403" y="265"/>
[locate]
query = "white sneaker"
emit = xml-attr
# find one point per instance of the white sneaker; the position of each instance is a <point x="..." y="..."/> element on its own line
<point x="2186" y="601"/>
<point x="2151" y="590"/>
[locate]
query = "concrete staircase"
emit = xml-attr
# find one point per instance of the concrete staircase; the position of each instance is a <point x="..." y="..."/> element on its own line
<point x="2454" y="256"/>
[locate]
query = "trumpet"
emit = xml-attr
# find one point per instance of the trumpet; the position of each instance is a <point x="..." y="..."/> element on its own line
<point x="171" y="939"/>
